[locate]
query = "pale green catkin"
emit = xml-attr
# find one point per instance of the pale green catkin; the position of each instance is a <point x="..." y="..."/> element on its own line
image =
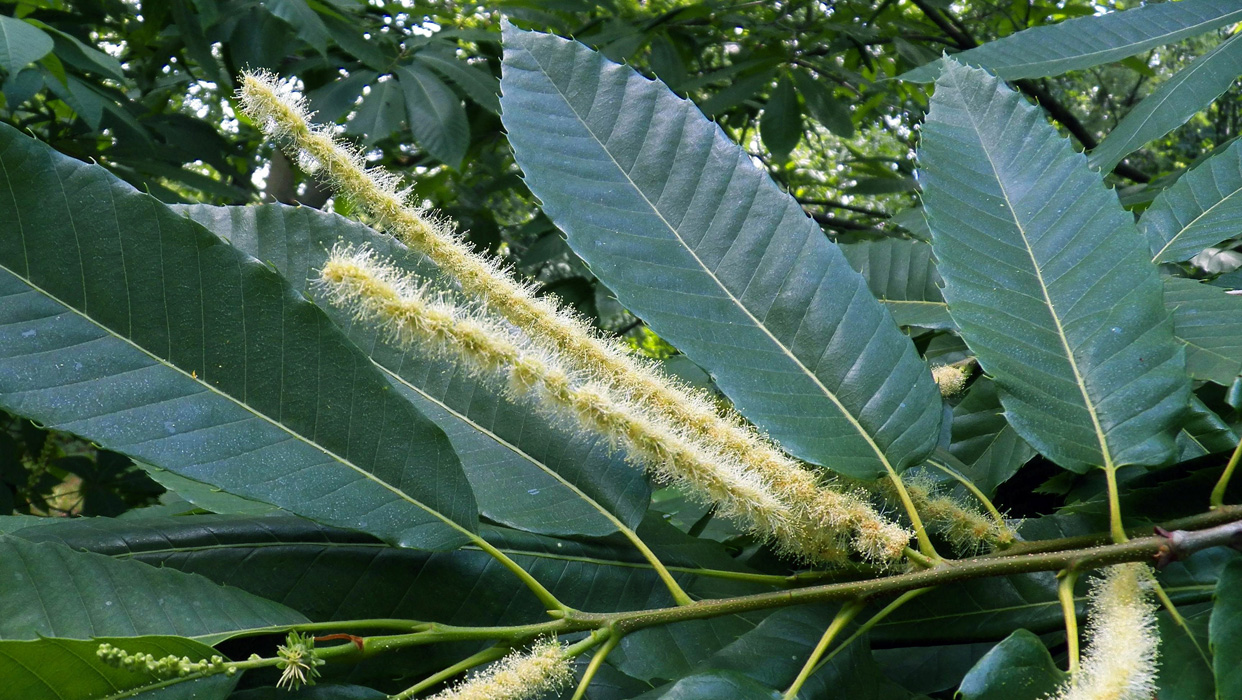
<point x="824" y="511"/>
<point x="383" y="295"/>
<point x="1120" y="662"/>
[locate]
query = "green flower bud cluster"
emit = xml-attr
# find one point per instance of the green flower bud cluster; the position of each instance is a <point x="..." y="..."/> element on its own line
<point x="164" y="668"/>
<point x="298" y="662"/>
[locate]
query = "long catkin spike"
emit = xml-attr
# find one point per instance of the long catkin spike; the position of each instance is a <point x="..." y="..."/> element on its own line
<point x="281" y="114"/>
<point x="381" y="294"/>
<point x="1120" y="663"/>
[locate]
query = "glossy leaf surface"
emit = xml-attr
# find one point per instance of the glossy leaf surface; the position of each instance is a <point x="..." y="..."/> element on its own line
<point x="1019" y="668"/>
<point x="702" y="245"/>
<point x="134" y="327"/>
<point x="1225" y="631"/>
<point x="1177" y="99"/>
<point x="1090" y="41"/>
<point x="1201" y="209"/>
<point x="902" y="275"/>
<point x="1208" y="321"/>
<point x="51" y="590"/>
<point x="1048" y="281"/>
<point x="524" y="471"/>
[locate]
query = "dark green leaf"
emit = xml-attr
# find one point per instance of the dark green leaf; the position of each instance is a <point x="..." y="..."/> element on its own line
<point x="781" y="123"/>
<point x="1019" y="668"/>
<point x="1177" y="99"/>
<point x="323" y="573"/>
<point x="337" y="98"/>
<point x="67" y="669"/>
<point x="1208" y="321"/>
<point x="902" y="275"/>
<point x="52" y="591"/>
<point x="381" y="113"/>
<point x="306" y="21"/>
<point x="984" y="441"/>
<point x="350" y="37"/>
<point x="206" y="496"/>
<point x="881" y="185"/>
<point x="1225" y="631"/>
<point x="436" y="116"/>
<point x="700" y="244"/>
<point x="526" y="472"/>
<point x="1203" y="433"/>
<point x="83" y="57"/>
<point x="1047" y="280"/>
<point x="1184" y="673"/>
<point x="136" y="328"/>
<point x="1201" y="209"/>
<point x="476" y="81"/>
<point x="735" y="94"/>
<point x="21" y="44"/>
<point x="716" y="685"/>
<point x="1090" y="41"/>
<point x="822" y="106"/>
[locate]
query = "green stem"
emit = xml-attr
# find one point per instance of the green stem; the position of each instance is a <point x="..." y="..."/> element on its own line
<point x="545" y="596"/>
<point x="1220" y="516"/>
<point x="1179" y="544"/>
<point x="975" y="491"/>
<point x="596" y="661"/>
<point x="1139" y="549"/>
<point x="1065" y="592"/>
<point x="1167" y="602"/>
<point x="1115" y="529"/>
<point x="679" y="595"/>
<point x="925" y="544"/>
<point x="875" y="620"/>
<point x="485" y="656"/>
<point x="918" y="558"/>
<point x="1218" y="492"/>
<point x="843" y="617"/>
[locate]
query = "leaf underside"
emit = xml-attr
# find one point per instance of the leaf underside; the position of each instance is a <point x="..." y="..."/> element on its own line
<point x="524" y="471"/>
<point x="1090" y="41"/>
<point x="1047" y="279"/>
<point x="702" y="245"/>
<point x="134" y="327"/>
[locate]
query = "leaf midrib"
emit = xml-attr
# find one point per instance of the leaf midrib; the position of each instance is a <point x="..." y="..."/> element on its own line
<point x="853" y="421"/>
<point x="1187" y="227"/>
<point x="249" y="409"/>
<point x="1172" y="84"/>
<point x="1043" y="288"/>
<point x="1193" y="29"/>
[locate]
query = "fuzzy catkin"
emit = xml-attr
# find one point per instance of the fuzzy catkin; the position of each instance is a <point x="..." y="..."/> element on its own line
<point x="823" y="511"/>
<point x="517" y="676"/>
<point x="382" y="294"/>
<point x="1120" y="662"/>
<point x="963" y="525"/>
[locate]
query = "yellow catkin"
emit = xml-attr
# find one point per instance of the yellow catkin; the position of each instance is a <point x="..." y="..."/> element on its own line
<point x="381" y="294"/>
<point x="951" y="379"/>
<point x="517" y="676"/>
<point x="964" y="526"/>
<point x="273" y="105"/>
<point x="1120" y="662"/>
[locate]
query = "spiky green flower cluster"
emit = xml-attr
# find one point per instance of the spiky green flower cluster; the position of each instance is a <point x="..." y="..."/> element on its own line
<point x="298" y="663"/>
